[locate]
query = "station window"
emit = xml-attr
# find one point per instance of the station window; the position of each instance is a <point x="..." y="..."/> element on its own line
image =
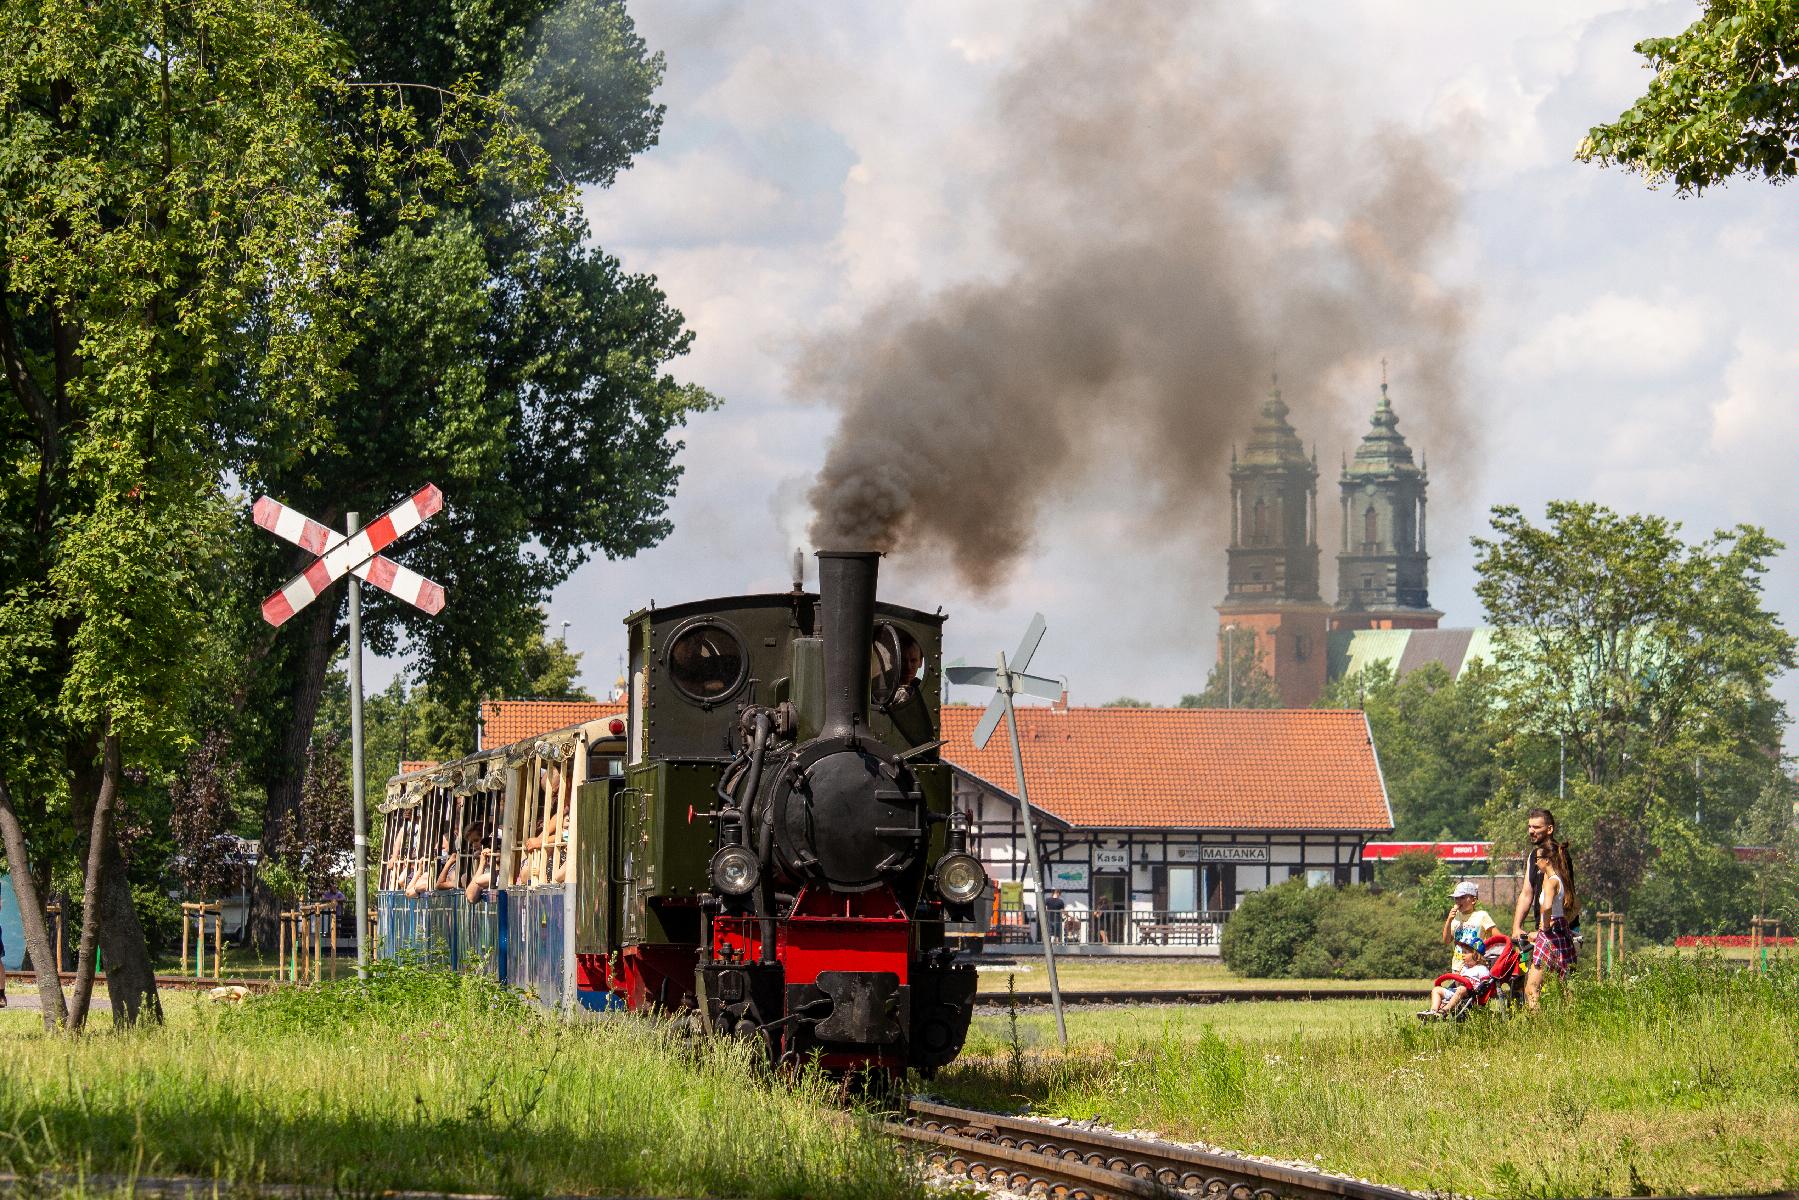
<point x="706" y="662"/>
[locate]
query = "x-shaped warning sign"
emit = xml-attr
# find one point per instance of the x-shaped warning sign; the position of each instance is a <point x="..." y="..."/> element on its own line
<point x="358" y="553"/>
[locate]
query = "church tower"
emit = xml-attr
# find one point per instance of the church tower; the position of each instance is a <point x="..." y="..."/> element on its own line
<point x="1272" y="593"/>
<point x="1382" y="567"/>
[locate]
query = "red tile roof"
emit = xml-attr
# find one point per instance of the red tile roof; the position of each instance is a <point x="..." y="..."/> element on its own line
<point x="1181" y="768"/>
<point x="1186" y="768"/>
<point x="504" y="722"/>
<point x="409" y="765"/>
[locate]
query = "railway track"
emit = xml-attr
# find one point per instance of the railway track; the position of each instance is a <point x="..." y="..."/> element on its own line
<point x="1200" y="995"/>
<point x="1070" y="1162"/>
<point x="178" y="982"/>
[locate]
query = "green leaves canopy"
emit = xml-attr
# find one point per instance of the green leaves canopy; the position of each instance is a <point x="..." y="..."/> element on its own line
<point x="1651" y="660"/>
<point x="1435" y="736"/>
<point x="1724" y="101"/>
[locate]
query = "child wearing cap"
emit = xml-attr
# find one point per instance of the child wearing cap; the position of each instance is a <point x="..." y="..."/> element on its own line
<point x="1464" y="914"/>
<point x="1471" y="964"/>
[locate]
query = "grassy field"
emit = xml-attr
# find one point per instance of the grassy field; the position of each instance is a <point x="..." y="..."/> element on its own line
<point x="1113" y="974"/>
<point x="1683" y="1078"/>
<point x="426" y="1081"/>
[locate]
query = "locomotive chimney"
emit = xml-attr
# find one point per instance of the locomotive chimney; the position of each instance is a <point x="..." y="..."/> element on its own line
<point x="846" y="596"/>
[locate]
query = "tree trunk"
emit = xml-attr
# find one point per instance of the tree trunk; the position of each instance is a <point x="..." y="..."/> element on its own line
<point x="287" y="772"/>
<point x="31" y="915"/>
<point x="99" y="827"/>
<point x="130" y="975"/>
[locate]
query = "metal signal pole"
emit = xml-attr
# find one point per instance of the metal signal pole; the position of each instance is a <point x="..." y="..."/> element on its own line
<point x="353" y="522"/>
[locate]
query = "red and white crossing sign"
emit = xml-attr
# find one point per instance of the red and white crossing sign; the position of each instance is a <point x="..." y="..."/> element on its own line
<point x="358" y="554"/>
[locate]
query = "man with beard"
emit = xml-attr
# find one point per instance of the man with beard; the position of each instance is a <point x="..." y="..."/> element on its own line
<point x="1539" y="827"/>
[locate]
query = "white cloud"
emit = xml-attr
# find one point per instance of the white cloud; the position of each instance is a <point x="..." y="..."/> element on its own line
<point x="1615" y="335"/>
<point x="1757" y="416"/>
<point x="686" y="198"/>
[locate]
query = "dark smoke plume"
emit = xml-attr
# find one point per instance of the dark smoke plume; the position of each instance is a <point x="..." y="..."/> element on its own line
<point x="1174" y="214"/>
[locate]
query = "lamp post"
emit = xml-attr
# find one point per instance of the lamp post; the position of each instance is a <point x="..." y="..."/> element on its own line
<point x="1230" y="666"/>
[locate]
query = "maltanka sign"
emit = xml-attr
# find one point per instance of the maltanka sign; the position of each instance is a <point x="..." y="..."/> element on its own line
<point x="1233" y="854"/>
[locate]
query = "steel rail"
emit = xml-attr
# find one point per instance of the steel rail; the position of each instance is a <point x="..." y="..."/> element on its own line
<point x="175" y="982"/>
<point x="1200" y="995"/>
<point x="1016" y="1169"/>
<point x="1127" y="1164"/>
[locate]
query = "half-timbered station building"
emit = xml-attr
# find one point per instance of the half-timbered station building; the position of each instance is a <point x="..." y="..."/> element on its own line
<point x="1155" y="822"/>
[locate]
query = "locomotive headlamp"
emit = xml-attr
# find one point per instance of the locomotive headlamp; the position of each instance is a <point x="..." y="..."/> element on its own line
<point x="960" y="877"/>
<point x="734" y="870"/>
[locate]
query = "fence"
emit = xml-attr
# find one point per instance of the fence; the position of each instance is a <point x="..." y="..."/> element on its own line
<point x="1113" y="927"/>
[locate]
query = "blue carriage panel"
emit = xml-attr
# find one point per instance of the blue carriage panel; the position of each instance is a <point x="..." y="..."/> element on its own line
<point x="534" y="942"/>
<point x="552" y="913"/>
<point x="477" y="935"/>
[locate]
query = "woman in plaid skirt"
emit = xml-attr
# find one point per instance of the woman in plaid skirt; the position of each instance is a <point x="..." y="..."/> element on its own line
<point x="1552" y="948"/>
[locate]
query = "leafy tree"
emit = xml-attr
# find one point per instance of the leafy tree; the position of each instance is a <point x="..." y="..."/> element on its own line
<point x="1436" y="737"/>
<point x="204" y="817"/>
<point x="500" y="357"/>
<point x="177" y="234"/>
<point x="1724" y="101"/>
<point x="1649" y="662"/>
<point x="1127" y="702"/>
<point x="1615" y="858"/>
<point x="150" y="190"/>
<point x="1239" y="679"/>
<point x="317" y="848"/>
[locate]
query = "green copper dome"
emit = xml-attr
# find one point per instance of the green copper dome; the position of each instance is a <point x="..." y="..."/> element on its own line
<point x="1383" y="451"/>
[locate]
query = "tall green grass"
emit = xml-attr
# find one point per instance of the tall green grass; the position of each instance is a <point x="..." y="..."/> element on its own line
<point x="1683" y="1077"/>
<point x="426" y="1080"/>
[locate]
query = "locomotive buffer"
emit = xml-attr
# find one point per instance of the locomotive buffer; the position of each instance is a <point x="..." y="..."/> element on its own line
<point x="1008" y="680"/>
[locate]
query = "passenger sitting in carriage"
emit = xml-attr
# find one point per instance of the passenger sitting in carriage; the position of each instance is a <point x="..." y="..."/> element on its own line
<point x="1454" y="993"/>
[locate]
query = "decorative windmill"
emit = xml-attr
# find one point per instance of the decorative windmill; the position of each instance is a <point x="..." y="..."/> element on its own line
<point x="1007" y="680"/>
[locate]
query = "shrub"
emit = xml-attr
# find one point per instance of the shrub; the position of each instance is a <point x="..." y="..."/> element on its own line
<point x="1269" y="928"/>
<point x="1296" y="932"/>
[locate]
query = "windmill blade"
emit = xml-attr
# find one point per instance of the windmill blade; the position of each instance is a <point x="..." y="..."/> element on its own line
<point x="1036" y="685"/>
<point x="996" y="707"/>
<point x="1028" y="645"/>
<point x="1029" y="685"/>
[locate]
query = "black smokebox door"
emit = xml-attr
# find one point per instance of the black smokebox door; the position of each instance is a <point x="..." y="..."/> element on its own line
<point x="859" y="823"/>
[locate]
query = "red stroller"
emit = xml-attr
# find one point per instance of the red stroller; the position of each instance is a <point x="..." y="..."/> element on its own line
<point x="1499" y="988"/>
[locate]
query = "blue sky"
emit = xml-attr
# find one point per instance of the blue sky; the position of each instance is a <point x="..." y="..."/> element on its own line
<point x="1625" y="346"/>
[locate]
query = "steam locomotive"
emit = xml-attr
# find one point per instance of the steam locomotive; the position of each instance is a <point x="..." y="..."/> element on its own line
<point x="763" y="841"/>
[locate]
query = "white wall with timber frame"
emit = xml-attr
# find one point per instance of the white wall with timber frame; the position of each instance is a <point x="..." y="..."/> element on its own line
<point x="1139" y="864"/>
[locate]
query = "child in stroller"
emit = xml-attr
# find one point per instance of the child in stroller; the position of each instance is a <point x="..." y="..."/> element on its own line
<point x="1487" y="967"/>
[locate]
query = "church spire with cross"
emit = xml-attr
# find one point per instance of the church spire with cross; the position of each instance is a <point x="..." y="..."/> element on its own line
<point x="1383" y="564"/>
<point x="1271" y="592"/>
